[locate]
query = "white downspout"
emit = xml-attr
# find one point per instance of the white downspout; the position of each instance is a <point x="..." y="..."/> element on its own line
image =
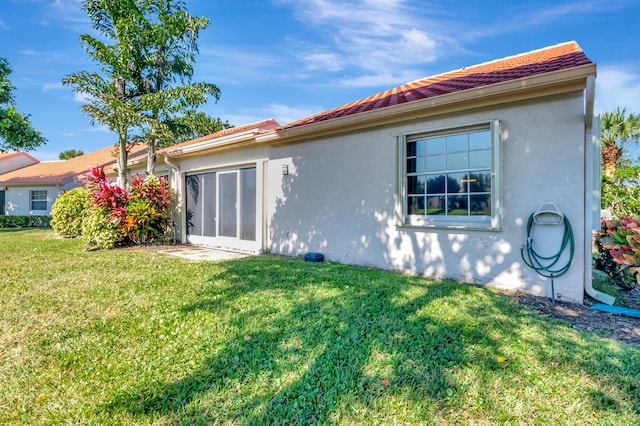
<point x="177" y="188"/>
<point x="591" y="190"/>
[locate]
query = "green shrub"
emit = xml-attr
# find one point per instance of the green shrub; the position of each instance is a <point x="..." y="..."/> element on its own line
<point x="621" y="192"/>
<point x="24" y="221"/>
<point x="68" y="211"/>
<point x="99" y="229"/>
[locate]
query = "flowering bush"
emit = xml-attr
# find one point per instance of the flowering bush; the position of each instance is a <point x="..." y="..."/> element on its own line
<point x="142" y="214"/>
<point x="68" y="211"/>
<point x="621" y="237"/>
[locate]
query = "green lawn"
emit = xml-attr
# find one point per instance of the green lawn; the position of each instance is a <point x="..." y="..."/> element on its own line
<point x="135" y="337"/>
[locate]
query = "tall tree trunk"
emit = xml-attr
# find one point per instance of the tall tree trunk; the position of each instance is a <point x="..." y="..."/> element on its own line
<point x="123" y="159"/>
<point x="151" y="157"/>
<point x="610" y="155"/>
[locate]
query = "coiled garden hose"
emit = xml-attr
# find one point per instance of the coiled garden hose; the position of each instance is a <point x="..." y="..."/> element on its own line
<point x="549" y="266"/>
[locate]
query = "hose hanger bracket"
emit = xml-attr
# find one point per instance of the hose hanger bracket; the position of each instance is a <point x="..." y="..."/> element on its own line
<point x="548" y="214"/>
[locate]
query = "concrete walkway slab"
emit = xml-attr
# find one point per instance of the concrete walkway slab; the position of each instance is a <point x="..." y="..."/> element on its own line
<point x="199" y="253"/>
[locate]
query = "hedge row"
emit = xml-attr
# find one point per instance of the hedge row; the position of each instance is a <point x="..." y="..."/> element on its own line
<point x="24" y="221"/>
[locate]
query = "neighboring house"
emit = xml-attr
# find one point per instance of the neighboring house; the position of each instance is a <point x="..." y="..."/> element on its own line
<point x="12" y="161"/>
<point x="33" y="189"/>
<point x="15" y="160"/>
<point x="436" y="177"/>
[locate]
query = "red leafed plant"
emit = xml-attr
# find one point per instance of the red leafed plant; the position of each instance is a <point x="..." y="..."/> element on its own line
<point x="141" y="214"/>
<point x="622" y="239"/>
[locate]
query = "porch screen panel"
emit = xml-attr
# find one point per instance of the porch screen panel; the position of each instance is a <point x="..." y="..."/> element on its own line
<point x="209" y="204"/>
<point x="248" y="204"/>
<point x="228" y="198"/>
<point x="194" y="205"/>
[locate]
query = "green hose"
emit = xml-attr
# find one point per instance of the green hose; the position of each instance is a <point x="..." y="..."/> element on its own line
<point x="548" y="266"/>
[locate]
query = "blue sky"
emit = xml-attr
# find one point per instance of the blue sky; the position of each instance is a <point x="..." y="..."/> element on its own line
<point x="287" y="59"/>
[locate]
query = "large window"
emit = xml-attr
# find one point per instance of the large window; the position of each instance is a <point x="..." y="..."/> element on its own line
<point x="38" y="200"/>
<point x="449" y="178"/>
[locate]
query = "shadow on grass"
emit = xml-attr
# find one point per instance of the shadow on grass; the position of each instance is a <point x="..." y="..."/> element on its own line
<point x="313" y="343"/>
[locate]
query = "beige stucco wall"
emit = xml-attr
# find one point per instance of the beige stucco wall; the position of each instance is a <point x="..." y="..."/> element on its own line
<point x="18" y="201"/>
<point x="339" y="197"/>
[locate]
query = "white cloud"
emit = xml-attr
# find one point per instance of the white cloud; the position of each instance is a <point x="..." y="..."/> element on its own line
<point x="4" y="26"/>
<point x="326" y="61"/>
<point x="284" y="114"/>
<point x="48" y="87"/>
<point x="376" y="36"/>
<point x="82" y="98"/>
<point x="618" y="86"/>
<point x="386" y="79"/>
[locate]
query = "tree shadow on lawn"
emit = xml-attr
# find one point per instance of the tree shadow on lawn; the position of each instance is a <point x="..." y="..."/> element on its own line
<point x="325" y="341"/>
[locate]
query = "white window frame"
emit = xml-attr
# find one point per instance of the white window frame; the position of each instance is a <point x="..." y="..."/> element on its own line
<point x="35" y="195"/>
<point x="492" y="222"/>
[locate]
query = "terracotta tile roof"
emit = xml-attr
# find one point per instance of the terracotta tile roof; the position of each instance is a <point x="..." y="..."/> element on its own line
<point x="555" y="58"/>
<point x="257" y="127"/>
<point x="7" y="155"/>
<point x="57" y="172"/>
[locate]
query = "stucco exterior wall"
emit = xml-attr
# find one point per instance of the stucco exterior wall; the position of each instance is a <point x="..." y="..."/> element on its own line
<point x="338" y="199"/>
<point x="18" y="201"/>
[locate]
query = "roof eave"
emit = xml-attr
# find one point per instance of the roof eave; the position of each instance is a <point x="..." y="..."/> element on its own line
<point x="235" y="139"/>
<point x="556" y="82"/>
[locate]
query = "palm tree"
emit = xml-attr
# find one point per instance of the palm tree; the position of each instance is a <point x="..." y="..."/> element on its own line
<point x="616" y="128"/>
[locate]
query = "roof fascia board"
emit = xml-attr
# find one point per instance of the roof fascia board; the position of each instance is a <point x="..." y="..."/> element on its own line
<point x="556" y="82"/>
<point x="247" y="136"/>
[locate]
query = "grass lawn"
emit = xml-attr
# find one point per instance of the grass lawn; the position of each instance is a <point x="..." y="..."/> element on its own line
<point x="135" y="337"/>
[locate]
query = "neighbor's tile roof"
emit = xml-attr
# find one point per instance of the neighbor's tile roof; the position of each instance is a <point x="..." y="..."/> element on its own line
<point x="56" y="172"/>
<point x="7" y="155"/>
<point x="258" y="127"/>
<point x="555" y="58"/>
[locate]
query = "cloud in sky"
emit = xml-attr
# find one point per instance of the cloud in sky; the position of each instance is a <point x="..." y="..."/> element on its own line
<point x="618" y="86"/>
<point x="370" y="39"/>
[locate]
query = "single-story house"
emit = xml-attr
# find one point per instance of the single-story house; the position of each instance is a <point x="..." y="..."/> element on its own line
<point x="12" y="161"/>
<point x="33" y="189"/>
<point x="436" y="177"/>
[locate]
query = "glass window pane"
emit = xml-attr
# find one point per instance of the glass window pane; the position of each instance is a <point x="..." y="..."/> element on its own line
<point x="435" y="206"/>
<point x="416" y="205"/>
<point x="480" y="140"/>
<point x="436" y="163"/>
<point x="457" y="205"/>
<point x="479" y="159"/>
<point x="420" y="164"/>
<point x="194" y="205"/>
<point x="411" y="149"/>
<point x="436" y="184"/>
<point x="416" y="184"/>
<point x="480" y="181"/>
<point x="436" y="146"/>
<point x="458" y="161"/>
<point x="480" y="205"/>
<point x="248" y="197"/>
<point x="458" y="143"/>
<point x="411" y="165"/>
<point x="208" y="191"/>
<point x="420" y="147"/>
<point x="457" y="183"/>
<point x="228" y="196"/>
